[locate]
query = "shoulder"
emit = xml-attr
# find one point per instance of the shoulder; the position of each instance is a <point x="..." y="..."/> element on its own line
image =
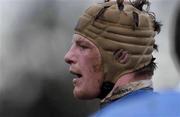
<point x="166" y="104"/>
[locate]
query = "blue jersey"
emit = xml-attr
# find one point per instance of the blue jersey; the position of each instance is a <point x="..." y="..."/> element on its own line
<point x="143" y="103"/>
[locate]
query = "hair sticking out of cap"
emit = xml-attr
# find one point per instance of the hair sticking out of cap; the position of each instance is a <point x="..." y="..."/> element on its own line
<point x="106" y="0"/>
<point x="157" y="26"/>
<point x="136" y="20"/>
<point x="139" y="4"/>
<point x="120" y="4"/>
<point x="155" y="46"/>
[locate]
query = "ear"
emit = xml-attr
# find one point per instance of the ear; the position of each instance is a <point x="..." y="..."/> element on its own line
<point x="121" y="56"/>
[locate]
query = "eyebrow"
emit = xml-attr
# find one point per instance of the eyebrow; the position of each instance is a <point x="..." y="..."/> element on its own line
<point x="79" y="41"/>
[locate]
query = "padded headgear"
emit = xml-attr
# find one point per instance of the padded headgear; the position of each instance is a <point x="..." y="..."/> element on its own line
<point x="113" y="26"/>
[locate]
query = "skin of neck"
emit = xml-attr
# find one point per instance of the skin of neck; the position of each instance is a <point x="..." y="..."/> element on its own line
<point x="128" y="78"/>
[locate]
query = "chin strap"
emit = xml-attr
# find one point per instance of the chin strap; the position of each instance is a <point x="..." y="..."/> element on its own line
<point x="105" y="89"/>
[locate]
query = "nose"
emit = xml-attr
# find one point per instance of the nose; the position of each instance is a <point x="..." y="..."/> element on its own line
<point x="69" y="57"/>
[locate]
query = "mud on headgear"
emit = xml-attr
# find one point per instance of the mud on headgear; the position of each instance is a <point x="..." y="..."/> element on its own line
<point x="119" y="25"/>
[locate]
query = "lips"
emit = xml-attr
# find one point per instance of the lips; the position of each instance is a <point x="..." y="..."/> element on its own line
<point x="76" y="80"/>
<point x="76" y="73"/>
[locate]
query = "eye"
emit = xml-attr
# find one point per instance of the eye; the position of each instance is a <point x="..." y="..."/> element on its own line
<point x="83" y="46"/>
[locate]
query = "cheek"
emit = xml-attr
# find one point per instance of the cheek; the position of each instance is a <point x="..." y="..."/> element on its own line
<point x="92" y="62"/>
<point x="96" y="67"/>
<point x="92" y="70"/>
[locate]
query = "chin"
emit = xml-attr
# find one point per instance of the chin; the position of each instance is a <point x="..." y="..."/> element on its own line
<point x="84" y="95"/>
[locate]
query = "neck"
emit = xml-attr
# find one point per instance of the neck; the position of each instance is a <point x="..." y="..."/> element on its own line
<point x="128" y="78"/>
<point x="130" y="82"/>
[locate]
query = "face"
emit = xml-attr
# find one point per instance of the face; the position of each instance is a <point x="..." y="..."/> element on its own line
<point x="85" y="62"/>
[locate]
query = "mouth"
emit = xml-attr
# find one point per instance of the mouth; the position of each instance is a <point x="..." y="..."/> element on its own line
<point x="77" y="74"/>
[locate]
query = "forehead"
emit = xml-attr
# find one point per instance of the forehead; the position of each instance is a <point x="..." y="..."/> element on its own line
<point x="80" y="39"/>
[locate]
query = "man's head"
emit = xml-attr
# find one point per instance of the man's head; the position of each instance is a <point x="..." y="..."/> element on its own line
<point x="123" y="35"/>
